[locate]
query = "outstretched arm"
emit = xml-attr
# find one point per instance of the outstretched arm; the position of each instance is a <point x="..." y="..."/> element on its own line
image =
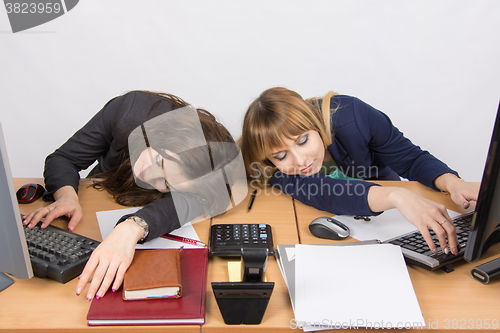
<point x="419" y="211"/>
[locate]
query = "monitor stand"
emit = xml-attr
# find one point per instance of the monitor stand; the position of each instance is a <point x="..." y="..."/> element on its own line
<point x="492" y="239"/>
<point x="5" y="281"/>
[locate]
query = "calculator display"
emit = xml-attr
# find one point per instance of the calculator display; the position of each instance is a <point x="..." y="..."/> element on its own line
<point x="229" y="239"/>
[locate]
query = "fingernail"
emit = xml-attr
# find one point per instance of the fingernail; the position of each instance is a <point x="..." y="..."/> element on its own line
<point x="113" y="290"/>
<point x="434" y="250"/>
<point x="89" y="299"/>
<point x="70" y="230"/>
<point x="446" y="250"/>
<point x="78" y="291"/>
<point x="454" y="251"/>
<point x="97" y="297"/>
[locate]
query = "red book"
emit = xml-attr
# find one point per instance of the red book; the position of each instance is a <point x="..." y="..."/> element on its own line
<point x="188" y="309"/>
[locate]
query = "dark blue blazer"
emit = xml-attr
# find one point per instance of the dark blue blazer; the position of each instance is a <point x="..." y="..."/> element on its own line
<point x="366" y="145"/>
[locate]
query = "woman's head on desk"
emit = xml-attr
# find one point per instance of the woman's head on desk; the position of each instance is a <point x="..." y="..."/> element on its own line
<point x="180" y="150"/>
<point x="283" y="131"/>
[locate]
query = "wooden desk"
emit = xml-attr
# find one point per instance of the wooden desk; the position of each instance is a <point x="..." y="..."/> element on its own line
<point x="276" y="210"/>
<point x="46" y="305"/>
<point x="447" y="300"/>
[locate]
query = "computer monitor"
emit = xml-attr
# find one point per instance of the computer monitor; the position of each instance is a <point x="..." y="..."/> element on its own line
<point x="14" y="256"/>
<point x="485" y="229"/>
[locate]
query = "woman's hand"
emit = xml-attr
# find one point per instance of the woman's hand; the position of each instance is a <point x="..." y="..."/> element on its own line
<point x="419" y="211"/>
<point x="110" y="260"/>
<point x="461" y="192"/>
<point x="66" y="204"/>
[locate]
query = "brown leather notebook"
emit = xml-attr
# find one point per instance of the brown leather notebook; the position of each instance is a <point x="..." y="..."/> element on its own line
<point x="153" y="274"/>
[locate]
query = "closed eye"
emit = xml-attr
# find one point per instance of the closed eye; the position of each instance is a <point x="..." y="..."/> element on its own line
<point x="280" y="156"/>
<point x="303" y="140"/>
<point x="159" y="161"/>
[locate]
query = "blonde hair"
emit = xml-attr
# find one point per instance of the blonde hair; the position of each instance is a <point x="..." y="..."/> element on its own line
<point x="276" y="114"/>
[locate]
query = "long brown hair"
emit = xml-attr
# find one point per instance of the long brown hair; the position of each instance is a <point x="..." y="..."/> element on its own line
<point x="120" y="180"/>
<point x="276" y="114"/>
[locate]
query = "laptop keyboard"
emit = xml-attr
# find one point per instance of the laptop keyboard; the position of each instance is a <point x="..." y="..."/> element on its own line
<point x="416" y="251"/>
<point x="58" y="254"/>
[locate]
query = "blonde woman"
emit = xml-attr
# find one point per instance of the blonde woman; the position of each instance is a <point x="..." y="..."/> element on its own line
<point x="320" y="151"/>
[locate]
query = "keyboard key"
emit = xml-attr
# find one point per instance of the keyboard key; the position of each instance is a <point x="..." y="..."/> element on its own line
<point x="63" y="263"/>
<point x="50" y="257"/>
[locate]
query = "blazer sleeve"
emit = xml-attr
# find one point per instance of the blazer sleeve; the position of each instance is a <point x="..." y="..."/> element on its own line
<point x="87" y="145"/>
<point x="390" y="146"/>
<point x="341" y="197"/>
<point x="164" y="215"/>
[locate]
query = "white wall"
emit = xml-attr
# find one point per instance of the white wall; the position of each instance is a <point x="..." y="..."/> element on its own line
<point x="432" y="66"/>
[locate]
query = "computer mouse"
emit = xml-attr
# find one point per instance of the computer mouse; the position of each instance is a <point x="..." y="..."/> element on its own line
<point x="29" y="193"/>
<point x="329" y="228"/>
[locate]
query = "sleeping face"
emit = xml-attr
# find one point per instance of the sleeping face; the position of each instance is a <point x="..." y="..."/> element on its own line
<point x="301" y="155"/>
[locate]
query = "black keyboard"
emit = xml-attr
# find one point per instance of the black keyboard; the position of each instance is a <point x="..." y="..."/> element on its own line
<point x="416" y="251"/>
<point x="229" y="239"/>
<point x="56" y="253"/>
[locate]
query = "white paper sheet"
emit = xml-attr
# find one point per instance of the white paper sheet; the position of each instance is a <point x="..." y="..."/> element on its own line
<point x="354" y="286"/>
<point x="107" y="221"/>
<point x="387" y="225"/>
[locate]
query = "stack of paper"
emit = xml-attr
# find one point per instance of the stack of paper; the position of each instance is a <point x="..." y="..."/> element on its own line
<point x="349" y="287"/>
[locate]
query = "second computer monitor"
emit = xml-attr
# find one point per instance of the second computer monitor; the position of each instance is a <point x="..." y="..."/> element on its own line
<point x="485" y="228"/>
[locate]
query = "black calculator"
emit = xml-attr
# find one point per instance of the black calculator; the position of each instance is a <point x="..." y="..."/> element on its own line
<point x="229" y="239"/>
